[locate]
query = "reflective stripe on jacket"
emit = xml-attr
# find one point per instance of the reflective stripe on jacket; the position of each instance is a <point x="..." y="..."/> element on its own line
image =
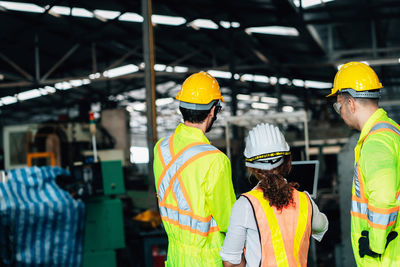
<point x="195" y="196"/>
<point x="284" y="235"/>
<point x="376" y="190"/>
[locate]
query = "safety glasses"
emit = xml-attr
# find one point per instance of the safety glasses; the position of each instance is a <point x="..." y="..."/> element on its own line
<point x="217" y="109"/>
<point x="337" y="106"/>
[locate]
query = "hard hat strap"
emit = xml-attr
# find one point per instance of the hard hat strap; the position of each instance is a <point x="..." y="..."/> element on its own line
<point x="266" y="165"/>
<point x="267" y="155"/>
<point x="197" y="106"/>
<point x="361" y="94"/>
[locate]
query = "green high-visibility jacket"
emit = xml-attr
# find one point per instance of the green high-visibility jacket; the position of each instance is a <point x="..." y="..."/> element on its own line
<point x="376" y="189"/>
<point x="195" y="196"/>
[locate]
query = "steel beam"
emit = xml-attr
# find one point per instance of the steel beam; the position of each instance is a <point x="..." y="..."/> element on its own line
<point x="148" y="54"/>
<point x="16" y="67"/>
<point x="65" y="57"/>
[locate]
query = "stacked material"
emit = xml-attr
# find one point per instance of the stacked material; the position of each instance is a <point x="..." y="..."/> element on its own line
<point x="40" y="223"/>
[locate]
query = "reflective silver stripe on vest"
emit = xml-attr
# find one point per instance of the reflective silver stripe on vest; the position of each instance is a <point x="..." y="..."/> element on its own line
<point x="356" y="181"/>
<point x="383" y="125"/>
<point x="164" y="146"/>
<point x="186" y="220"/>
<point x="191" y="152"/>
<point x="377" y="218"/>
<point x="174" y="215"/>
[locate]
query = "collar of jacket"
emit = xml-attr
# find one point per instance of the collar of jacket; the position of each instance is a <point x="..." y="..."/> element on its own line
<point x="195" y="134"/>
<point x="378" y="115"/>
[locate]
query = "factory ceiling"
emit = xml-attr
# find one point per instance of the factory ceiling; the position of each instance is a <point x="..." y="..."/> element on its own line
<point x="55" y="55"/>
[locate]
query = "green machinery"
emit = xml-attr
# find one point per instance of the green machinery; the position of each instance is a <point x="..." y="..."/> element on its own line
<point x="104" y="228"/>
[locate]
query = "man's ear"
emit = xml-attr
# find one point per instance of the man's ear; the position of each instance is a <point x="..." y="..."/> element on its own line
<point x="212" y="111"/>
<point x="352" y="104"/>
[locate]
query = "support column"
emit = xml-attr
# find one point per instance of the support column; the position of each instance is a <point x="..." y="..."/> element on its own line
<point x="148" y="54"/>
<point x="37" y="59"/>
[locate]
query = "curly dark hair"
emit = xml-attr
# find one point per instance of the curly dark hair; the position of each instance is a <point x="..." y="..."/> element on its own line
<point x="275" y="189"/>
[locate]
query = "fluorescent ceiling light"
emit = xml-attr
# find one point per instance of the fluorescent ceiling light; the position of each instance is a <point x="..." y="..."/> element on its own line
<point x="273" y="80"/>
<point x="164" y="101"/>
<point x="204" y="23"/>
<point x="260" y="105"/>
<point x="81" y="12"/>
<point x="61" y="10"/>
<point x="297" y="82"/>
<point x="7" y="100"/>
<point x="25" y="7"/>
<point x="48" y="89"/>
<point x="254" y="78"/>
<point x="63" y="86"/>
<point x="181" y="69"/>
<point x="220" y="74"/>
<point x="167" y="20"/>
<point x="228" y="24"/>
<point x="243" y="97"/>
<point x="29" y="94"/>
<point x="120" y="71"/>
<point x="139" y="154"/>
<point x="270" y="100"/>
<point x="129" y="16"/>
<point x="283" y="80"/>
<point x="287" y="109"/>
<point x="309" y="3"/>
<point x="139" y="106"/>
<point x="159" y="67"/>
<point x="274" y="30"/>
<point x="107" y="14"/>
<point x="318" y="85"/>
<point x="261" y="78"/>
<point x="94" y="76"/>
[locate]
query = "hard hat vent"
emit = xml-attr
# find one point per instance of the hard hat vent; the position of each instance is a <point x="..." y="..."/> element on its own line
<point x="265" y="144"/>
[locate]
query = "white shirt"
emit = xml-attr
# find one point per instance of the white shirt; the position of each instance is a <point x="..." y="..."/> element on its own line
<point x="243" y="232"/>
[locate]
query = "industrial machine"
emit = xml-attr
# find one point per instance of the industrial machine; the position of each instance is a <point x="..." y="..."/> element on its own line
<point x="99" y="183"/>
<point x="96" y="176"/>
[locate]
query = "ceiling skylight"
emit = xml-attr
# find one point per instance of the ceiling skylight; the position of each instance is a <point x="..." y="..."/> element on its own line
<point x="317" y="84"/>
<point x="81" y="12"/>
<point x="228" y="24"/>
<point x="24" y="7"/>
<point x="220" y="74"/>
<point x="107" y="14"/>
<point x="203" y="23"/>
<point x="29" y="94"/>
<point x="60" y="10"/>
<point x="7" y="100"/>
<point x="310" y="3"/>
<point x="274" y="30"/>
<point x="132" y="17"/>
<point x="121" y="71"/>
<point x="167" y="20"/>
<point x="260" y="105"/>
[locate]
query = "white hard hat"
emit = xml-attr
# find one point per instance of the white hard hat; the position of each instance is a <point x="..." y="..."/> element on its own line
<point x="265" y="147"/>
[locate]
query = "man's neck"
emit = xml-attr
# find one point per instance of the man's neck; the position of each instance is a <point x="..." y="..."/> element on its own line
<point x="365" y="115"/>
<point x="201" y="126"/>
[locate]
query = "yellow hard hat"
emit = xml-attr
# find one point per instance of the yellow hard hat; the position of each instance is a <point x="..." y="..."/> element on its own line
<point x="200" y="89"/>
<point x="358" y="77"/>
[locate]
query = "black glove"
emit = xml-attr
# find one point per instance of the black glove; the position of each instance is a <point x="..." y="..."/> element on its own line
<point x="363" y="244"/>
<point x="390" y="237"/>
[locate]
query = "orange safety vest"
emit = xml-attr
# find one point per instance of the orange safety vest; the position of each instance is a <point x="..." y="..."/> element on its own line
<point x="284" y="235"/>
